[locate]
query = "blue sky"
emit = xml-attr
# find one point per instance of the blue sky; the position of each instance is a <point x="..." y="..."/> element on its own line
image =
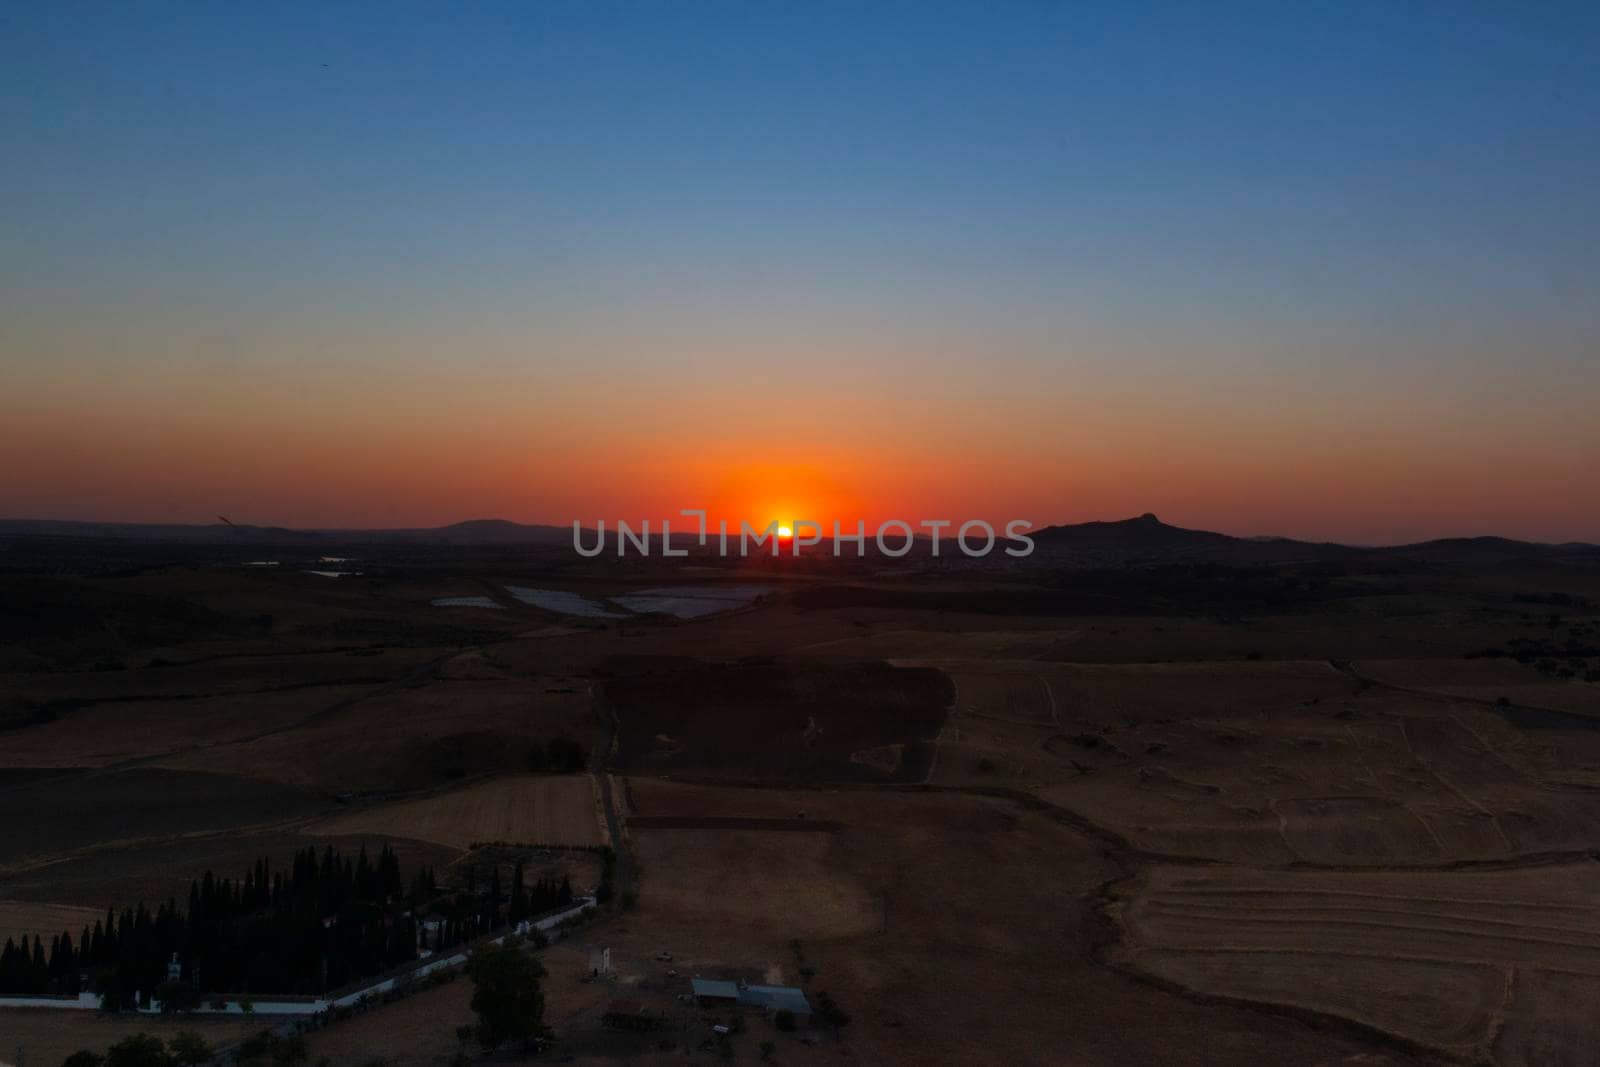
<point x="1393" y="202"/>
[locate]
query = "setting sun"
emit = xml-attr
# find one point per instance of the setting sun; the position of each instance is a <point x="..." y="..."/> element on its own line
<point x="785" y="531"/>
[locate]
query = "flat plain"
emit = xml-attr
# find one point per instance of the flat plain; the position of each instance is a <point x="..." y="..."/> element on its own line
<point x="1346" y="817"/>
<point x="540" y="809"/>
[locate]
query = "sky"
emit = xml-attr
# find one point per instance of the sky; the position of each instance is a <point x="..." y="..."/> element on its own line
<point x="1316" y="270"/>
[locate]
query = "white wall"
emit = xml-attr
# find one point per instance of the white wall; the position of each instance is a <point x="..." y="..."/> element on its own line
<point x="91" y="1001"/>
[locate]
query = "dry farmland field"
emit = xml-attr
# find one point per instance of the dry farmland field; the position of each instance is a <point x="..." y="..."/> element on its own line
<point x="49" y="1037"/>
<point x="46" y="920"/>
<point x="784" y="719"/>
<point x="1340" y="814"/>
<point x="1438" y="957"/>
<point x="543" y="809"/>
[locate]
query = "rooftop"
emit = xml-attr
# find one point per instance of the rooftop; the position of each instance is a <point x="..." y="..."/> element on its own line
<point x="708" y="987"/>
<point x="776" y="997"/>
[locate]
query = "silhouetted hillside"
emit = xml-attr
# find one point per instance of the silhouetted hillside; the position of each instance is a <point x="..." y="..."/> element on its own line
<point x="1142" y="539"/>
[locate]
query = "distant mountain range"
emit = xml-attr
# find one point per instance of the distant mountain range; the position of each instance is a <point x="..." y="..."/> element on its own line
<point x="1148" y="538"/>
<point x="472" y="532"/>
<point x="1145" y="538"/>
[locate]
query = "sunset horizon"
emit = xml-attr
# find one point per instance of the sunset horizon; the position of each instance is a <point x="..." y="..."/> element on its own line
<point x="683" y="529"/>
<point x="1053" y="267"/>
<point x="896" y="533"/>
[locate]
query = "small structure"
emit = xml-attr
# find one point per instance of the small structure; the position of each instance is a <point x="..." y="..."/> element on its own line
<point x="174" y="969"/>
<point x="599" y="961"/>
<point x="775" y="998"/>
<point x="710" y="991"/>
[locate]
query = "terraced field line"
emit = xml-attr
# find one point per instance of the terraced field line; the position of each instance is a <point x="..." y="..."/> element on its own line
<point x="1356" y="741"/>
<point x="1283" y="830"/>
<point x="1051" y="694"/>
<point x="1497" y="1022"/>
<point x="1450" y="787"/>
<point x="955" y="709"/>
<point x="1487" y="747"/>
<point x="1428" y="828"/>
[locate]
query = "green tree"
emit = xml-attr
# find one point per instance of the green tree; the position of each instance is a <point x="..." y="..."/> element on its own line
<point x="830" y="1011"/>
<point x="506" y="995"/>
<point x="83" y="1058"/>
<point x="138" y="1050"/>
<point x="519" y="895"/>
<point x="188" y="1048"/>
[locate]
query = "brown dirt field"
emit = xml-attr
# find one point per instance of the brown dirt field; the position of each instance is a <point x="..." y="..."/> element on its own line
<point x="111" y="733"/>
<point x="738" y="880"/>
<point x="50" y="1036"/>
<point x="1372" y="777"/>
<point x="1448" y="1006"/>
<point x="956" y="928"/>
<point x="978" y="751"/>
<point x="1132" y="695"/>
<point x="782" y="629"/>
<point x="1487" y="679"/>
<point x="1008" y="697"/>
<point x="189" y="675"/>
<point x="1427" y="955"/>
<point x="413" y="738"/>
<point x="18" y="917"/>
<point x="66" y="815"/>
<point x="542" y="809"/>
<point x="919" y="645"/>
<point x="1101" y="717"/>
<point x="970" y="957"/>
<point x="665" y="798"/>
<point x="789" y="719"/>
<point x="1359" y="830"/>
<point x="1541" y="1029"/>
<point x="155" y="871"/>
<point x="1350" y="631"/>
<point x="418" y="1030"/>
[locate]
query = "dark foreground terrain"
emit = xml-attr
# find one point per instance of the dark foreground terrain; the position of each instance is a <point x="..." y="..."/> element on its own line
<point x="1150" y="798"/>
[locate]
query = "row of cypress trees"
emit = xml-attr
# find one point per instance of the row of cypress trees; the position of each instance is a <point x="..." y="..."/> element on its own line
<point x="328" y="920"/>
<point x="325" y="922"/>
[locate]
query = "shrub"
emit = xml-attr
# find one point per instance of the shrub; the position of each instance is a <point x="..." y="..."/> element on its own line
<point x="506" y="995"/>
<point x="138" y="1050"/>
<point x="177" y="997"/>
<point x="187" y="1049"/>
<point x="830" y="1011"/>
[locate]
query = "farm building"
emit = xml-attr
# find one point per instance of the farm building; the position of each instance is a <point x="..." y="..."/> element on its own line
<point x="599" y="961"/>
<point x="712" y="992"/>
<point x="775" y="998"/>
<point x="708" y="991"/>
